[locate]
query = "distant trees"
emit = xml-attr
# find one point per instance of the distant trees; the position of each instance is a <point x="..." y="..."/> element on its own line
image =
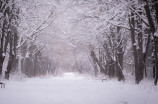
<point x="115" y="24"/>
<point x="37" y="65"/>
<point x="31" y="60"/>
<point x="109" y="29"/>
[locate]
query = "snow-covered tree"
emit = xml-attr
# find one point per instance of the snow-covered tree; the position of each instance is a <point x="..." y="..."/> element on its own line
<point x="8" y="32"/>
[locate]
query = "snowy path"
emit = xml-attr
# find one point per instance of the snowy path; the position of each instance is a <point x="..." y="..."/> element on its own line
<point x="76" y="90"/>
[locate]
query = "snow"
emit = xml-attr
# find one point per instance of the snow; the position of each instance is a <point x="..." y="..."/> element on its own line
<point x="134" y="44"/>
<point x="73" y="89"/>
<point x="156" y="34"/>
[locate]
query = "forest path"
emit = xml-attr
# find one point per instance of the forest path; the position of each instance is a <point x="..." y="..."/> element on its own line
<point x="72" y="89"/>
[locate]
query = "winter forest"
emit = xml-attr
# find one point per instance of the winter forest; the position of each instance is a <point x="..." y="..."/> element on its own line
<point x="88" y="46"/>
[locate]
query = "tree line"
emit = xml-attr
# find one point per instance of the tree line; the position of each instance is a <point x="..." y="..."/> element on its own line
<point x="125" y="31"/>
<point x="126" y="35"/>
<point x="25" y="56"/>
<point x="131" y="26"/>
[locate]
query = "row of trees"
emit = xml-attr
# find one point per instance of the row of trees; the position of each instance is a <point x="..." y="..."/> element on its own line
<point x="137" y="18"/>
<point x="8" y="33"/>
<point x="125" y="30"/>
<point x="117" y="34"/>
<point x="18" y="40"/>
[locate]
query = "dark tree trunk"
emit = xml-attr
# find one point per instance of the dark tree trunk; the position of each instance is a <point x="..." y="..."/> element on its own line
<point x="1" y="61"/>
<point x="3" y="43"/>
<point x="132" y="27"/>
<point x="156" y="44"/>
<point x="140" y="49"/>
<point x="9" y="67"/>
<point x="27" y="66"/>
<point x="155" y="39"/>
<point x="10" y="61"/>
<point x="156" y="10"/>
<point x="35" y="65"/>
<point x="156" y="59"/>
<point x="6" y="32"/>
<point x="111" y="68"/>
<point x="95" y="66"/>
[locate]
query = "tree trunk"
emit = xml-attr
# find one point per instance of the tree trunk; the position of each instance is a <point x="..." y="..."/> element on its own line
<point x="111" y="68"/>
<point x="132" y="24"/>
<point x="155" y="39"/>
<point x="156" y="42"/>
<point x="99" y="64"/>
<point x="156" y="10"/>
<point x="35" y="65"/>
<point x="11" y="57"/>
<point x="156" y="59"/>
<point x="140" y="49"/>
<point x="26" y="66"/>
<point x="95" y="66"/>
<point x="119" y="57"/>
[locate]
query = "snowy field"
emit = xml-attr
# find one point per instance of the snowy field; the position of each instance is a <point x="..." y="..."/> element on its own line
<point x="70" y="89"/>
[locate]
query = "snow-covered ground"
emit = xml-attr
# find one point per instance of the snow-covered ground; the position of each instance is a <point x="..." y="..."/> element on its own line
<point x="70" y="89"/>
